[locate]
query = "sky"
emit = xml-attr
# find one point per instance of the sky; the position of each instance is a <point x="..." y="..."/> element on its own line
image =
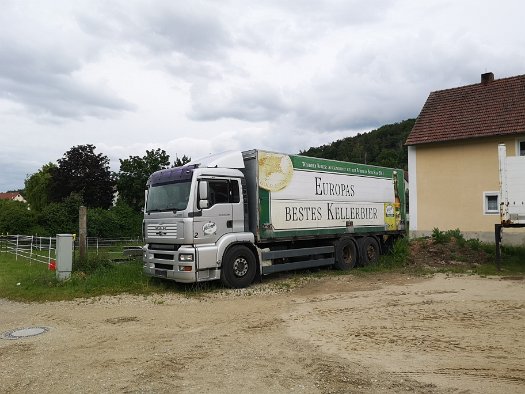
<point x="199" y="77"/>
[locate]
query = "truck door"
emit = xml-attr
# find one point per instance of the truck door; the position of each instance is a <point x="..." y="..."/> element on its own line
<point x="218" y="218"/>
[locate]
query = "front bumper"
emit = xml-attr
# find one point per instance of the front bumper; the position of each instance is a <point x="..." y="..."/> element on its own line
<point x="166" y="264"/>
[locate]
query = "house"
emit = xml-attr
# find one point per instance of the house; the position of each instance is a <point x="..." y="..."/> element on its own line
<point x="453" y="156"/>
<point x="15" y="196"/>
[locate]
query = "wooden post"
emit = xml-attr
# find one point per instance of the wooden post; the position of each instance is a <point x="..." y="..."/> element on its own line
<point x="498" y="228"/>
<point x="82" y="232"/>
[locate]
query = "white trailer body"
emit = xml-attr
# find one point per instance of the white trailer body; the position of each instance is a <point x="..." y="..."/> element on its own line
<point x="512" y="187"/>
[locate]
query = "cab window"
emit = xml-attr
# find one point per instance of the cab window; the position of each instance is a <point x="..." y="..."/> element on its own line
<point x="223" y="191"/>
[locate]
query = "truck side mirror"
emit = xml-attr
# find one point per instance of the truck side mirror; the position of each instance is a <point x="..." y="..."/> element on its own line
<point x="203" y="194"/>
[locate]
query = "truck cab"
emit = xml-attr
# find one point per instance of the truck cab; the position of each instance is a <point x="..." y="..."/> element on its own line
<point x="192" y="215"/>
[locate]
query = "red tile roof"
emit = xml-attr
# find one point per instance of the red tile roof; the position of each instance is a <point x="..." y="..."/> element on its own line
<point x="496" y="107"/>
<point x="8" y="196"/>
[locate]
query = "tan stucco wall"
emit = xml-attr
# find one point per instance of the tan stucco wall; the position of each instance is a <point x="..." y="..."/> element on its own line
<point x="451" y="179"/>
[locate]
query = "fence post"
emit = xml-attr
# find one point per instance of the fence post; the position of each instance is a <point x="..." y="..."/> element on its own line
<point x="82" y="232"/>
<point x="16" y="249"/>
<point x="49" y="250"/>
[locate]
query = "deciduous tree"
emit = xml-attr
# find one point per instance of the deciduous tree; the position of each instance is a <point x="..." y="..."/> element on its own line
<point x="85" y="173"/>
<point x="134" y="173"/>
<point x="37" y="187"/>
<point x="179" y="162"/>
<point x="15" y="218"/>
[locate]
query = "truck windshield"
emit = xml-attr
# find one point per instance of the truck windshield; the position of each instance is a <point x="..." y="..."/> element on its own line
<point x="168" y="197"/>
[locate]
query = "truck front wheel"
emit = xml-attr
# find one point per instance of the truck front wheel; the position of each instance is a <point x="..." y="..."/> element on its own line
<point x="238" y="267"/>
<point x="345" y="254"/>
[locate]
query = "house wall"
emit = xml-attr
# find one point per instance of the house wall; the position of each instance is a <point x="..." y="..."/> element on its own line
<point x="20" y="198"/>
<point x="450" y="181"/>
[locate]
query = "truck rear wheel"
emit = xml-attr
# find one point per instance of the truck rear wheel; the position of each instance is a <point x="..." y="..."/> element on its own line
<point x="238" y="267"/>
<point x="369" y="251"/>
<point x="345" y="254"/>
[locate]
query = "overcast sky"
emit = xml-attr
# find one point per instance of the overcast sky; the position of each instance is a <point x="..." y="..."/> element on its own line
<point x="198" y="77"/>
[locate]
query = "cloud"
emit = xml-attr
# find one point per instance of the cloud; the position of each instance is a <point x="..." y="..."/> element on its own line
<point x="204" y="76"/>
<point x="192" y="29"/>
<point x="40" y="65"/>
<point x="253" y="103"/>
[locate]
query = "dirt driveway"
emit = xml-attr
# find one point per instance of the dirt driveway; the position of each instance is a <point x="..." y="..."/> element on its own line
<point x="380" y="333"/>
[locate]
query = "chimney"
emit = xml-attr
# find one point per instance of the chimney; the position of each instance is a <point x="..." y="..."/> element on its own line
<point x="486" y="78"/>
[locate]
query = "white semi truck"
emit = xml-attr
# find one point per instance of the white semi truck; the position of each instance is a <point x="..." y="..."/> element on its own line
<point x="237" y="216"/>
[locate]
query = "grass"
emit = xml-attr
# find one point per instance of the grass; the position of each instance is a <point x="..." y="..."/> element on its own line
<point x="32" y="282"/>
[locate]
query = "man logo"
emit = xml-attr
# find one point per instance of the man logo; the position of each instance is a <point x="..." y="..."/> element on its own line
<point x="161" y="230"/>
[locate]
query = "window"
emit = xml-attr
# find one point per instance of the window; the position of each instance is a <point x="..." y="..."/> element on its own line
<point x="168" y="197"/>
<point x="223" y="191"/>
<point x="491" y="203"/>
<point x="521" y="148"/>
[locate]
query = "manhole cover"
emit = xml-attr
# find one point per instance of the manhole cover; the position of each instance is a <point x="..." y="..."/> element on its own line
<point x="20" y="333"/>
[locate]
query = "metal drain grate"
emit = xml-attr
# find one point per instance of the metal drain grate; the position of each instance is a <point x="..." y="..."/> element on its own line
<point x="20" y="333"/>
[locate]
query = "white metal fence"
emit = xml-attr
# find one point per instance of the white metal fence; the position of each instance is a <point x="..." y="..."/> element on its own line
<point x="33" y="248"/>
<point x="97" y="245"/>
<point x="43" y="249"/>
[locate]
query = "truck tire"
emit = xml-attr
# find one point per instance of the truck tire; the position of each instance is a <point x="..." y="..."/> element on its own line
<point x="369" y="251"/>
<point x="345" y="254"/>
<point x="238" y="267"/>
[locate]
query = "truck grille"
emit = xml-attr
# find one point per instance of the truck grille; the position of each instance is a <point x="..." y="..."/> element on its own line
<point x="162" y="230"/>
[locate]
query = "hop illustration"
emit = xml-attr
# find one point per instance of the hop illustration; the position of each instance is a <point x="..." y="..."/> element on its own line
<point x="275" y="171"/>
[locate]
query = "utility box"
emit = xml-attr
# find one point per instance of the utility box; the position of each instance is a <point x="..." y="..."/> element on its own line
<point x="64" y="256"/>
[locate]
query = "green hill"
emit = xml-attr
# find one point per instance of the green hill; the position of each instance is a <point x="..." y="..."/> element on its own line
<point x="382" y="147"/>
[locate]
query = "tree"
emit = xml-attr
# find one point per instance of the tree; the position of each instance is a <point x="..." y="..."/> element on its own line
<point x="85" y="173"/>
<point x="180" y="162"/>
<point x="60" y="217"/>
<point x="15" y="218"/>
<point x="134" y="173"/>
<point x="118" y="221"/>
<point x="382" y="147"/>
<point x="37" y="187"/>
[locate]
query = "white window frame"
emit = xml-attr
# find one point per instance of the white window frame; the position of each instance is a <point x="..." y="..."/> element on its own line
<point x="518" y="142"/>
<point x="485" y="203"/>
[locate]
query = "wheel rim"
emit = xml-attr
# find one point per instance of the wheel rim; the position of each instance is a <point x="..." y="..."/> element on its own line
<point x="240" y="266"/>
<point x="371" y="253"/>
<point x="347" y="254"/>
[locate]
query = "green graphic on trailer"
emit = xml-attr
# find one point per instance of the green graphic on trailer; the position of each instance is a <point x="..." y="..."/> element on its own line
<point x="305" y="196"/>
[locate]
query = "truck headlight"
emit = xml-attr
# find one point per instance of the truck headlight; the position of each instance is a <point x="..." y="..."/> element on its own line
<point x="186" y="257"/>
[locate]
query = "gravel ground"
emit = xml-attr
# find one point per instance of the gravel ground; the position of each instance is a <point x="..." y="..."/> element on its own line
<point x="347" y="334"/>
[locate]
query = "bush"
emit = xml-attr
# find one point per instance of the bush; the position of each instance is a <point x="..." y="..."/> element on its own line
<point x="398" y="255"/>
<point x="120" y="221"/>
<point x="60" y="218"/>
<point x="441" y="237"/>
<point x="15" y="218"/>
<point x="475" y="244"/>
<point x="400" y="252"/>
<point x="92" y="263"/>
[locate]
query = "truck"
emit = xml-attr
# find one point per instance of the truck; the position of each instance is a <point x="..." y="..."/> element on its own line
<point x="239" y="215"/>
